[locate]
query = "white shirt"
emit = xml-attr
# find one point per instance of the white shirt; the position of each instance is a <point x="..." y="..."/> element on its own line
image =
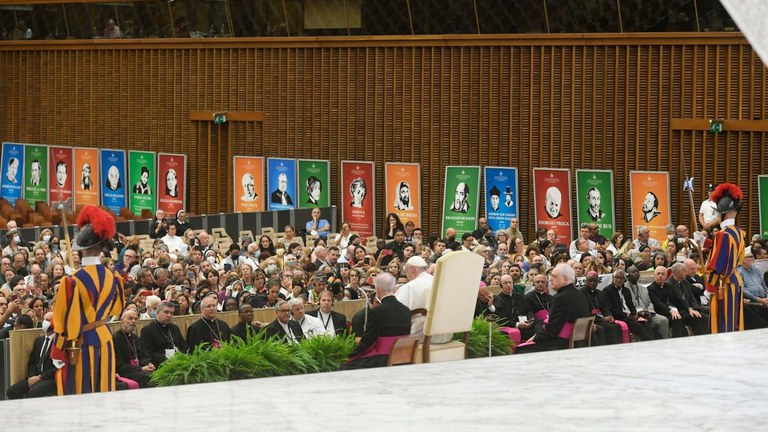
<point x="175" y="244"/>
<point x="311" y="326"/>
<point x="326" y="321"/>
<point x="708" y="211"/>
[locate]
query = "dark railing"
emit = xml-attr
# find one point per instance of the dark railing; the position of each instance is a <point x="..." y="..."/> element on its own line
<point x="88" y="19"/>
<point x="233" y="223"/>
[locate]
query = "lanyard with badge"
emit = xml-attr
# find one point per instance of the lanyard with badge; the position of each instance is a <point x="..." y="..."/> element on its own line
<point x="169" y="352"/>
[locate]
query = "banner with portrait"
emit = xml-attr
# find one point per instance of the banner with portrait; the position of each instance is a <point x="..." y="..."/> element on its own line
<point x="171" y="183"/>
<point x="402" y="187"/>
<point x="762" y="193"/>
<point x="314" y="183"/>
<point x="60" y="173"/>
<point x="501" y="199"/>
<point x="86" y="168"/>
<point x="461" y="198"/>
<point x="281" y="183"/>
<point x="650" y="202"/>
<point x="552" y="202"/>
<point x="142" y="178"/>
<point x="13" y="172"/>
<point x="35" y="173"/>
<point x="113" y="169"/>
<point x="357" y="197"/>
<point x="248" y="183"/>
<point x="594" y="200"/>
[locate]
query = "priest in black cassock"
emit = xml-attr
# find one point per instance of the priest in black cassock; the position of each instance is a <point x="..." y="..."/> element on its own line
<point x="208" y="329"/>
<point x="130" y="361"/>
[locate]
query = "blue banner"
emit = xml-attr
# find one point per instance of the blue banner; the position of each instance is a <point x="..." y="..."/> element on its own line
<point x="501" y="199"/>
<point x="281" y="184"/>
<point x="13" y="172"/>
<point x="113" y="178"/>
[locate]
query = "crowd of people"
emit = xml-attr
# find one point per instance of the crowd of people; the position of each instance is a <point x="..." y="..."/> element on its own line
<point x="186" y="273"/>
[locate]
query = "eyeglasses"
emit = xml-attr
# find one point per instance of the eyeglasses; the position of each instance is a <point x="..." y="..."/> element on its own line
<point x="283" y="310"/>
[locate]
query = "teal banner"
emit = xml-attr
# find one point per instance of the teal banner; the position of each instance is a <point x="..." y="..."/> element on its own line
<point x="461" y="198"/>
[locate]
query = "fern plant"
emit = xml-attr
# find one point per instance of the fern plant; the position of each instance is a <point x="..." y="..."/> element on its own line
<point x="478" y="339"/>
<point x="255" y="358"/>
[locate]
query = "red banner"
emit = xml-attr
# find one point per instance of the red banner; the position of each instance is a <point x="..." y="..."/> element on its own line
<point x="171" y="182"/>
<point x="60" y="175"/>
<point x="552" y="201"/>
<point x="86" y="167"/>
<point x="357" y="197"/>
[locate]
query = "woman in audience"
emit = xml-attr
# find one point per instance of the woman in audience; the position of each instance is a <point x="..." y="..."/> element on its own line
<point x="615" y="244"/>
<point x="660" y="259"/>
<point x="598" y="264"/>
<point x="245" y="273"/>
<point x="183" y="304"/>
<point x="288" y="238"/>
<point x="46" y="235"/>
<point x="393" y="224"/>
<point x="395" y="267"/>
<point x="182" y="225"/>
<point x="502" y="237"/>
<point x="344" y="235"/>
<point x="190" y="239"/>
<point x="230" y="304"/>
<point x="266" y="245"/>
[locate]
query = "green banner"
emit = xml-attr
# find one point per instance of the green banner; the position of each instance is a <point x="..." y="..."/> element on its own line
<point x="461" y="198"/>
<point x="762" y="188"/>
<point x="36" y="174"/>
<point x="142" y="178"/>
<point x="314" y="184"/>
<point x="594" y="200"/>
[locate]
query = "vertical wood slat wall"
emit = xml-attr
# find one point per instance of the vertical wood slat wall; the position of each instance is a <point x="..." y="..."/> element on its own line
<point x="574" y="102"/>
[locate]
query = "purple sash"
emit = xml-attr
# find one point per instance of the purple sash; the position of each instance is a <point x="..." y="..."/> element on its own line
<point x="382" y="346"/>
<point x="624" y="330"/>
<point x="513" y="333"/>
<point x="542" y="315"/>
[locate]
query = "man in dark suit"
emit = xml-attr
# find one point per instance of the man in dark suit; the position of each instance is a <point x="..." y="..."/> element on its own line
<point x="208" y="329"/>
<point x="333" y="322"/>
<point x="283" y="327"/>
<point x="662" y="303"/>
<point x="40" y="369"/>
<point x="682" y="298"/>
<point x="386" y="323"/>
<point x="245" y="328"/>
<point x="568" y="305"/>
<point x="511" y="308"/>
<point x="130" y="361"/>
<point x="607" y="331"/>
<point x="161" y="338"/>
<point x="622" y="307"/>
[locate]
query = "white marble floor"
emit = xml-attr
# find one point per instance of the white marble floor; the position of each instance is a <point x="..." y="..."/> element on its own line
<point x="716" y="382"/>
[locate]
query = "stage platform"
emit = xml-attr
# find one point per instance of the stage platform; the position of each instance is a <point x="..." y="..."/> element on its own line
<point x="715" y="382"/>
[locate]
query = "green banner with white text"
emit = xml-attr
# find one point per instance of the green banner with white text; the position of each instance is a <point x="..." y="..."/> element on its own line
<point x="142" y="178"/>
<point x="594" y="200"/>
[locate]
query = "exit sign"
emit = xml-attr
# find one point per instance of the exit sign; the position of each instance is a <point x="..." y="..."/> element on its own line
<point x="219" y="118"/>
<point x="715" y="126"/>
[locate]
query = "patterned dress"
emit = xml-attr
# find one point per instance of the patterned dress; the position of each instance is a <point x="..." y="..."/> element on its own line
<point x="93" y="293"/>
<point x="727" y="303"/>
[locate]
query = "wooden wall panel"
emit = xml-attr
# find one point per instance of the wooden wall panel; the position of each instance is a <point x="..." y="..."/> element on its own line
<point x="576" y="101"/>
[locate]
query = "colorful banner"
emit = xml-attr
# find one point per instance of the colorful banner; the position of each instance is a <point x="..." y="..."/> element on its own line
<point x="171" y="183"/>
<point x="650" y="202"/>
<point x="501" y="196"/>
<point x="594" y="200"/>
<point x="402" y="187"/>
<point x="112" y="167"/>
<point x="60" y="177"/>
<point x="552" y="201"/>
<point x="762" y="193"/>
<point x="142" y="178"/>
<point x="461" y="195"/>
<point x="86" y="167"/>
<point x="35" y="174"/>
<point x="314" y="183"/>
<point x="281" y="181"/>
<point x="357" y="197"/>
<point x="13" y="172"/>
<point x="248" y="183"/>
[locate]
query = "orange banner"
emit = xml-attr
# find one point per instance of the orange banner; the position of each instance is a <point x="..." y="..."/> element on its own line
<point x="248" y="183"/>
<point x="86" y="173"/>
<point x="403" y="191"/>
<point x="650" y="202"/>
